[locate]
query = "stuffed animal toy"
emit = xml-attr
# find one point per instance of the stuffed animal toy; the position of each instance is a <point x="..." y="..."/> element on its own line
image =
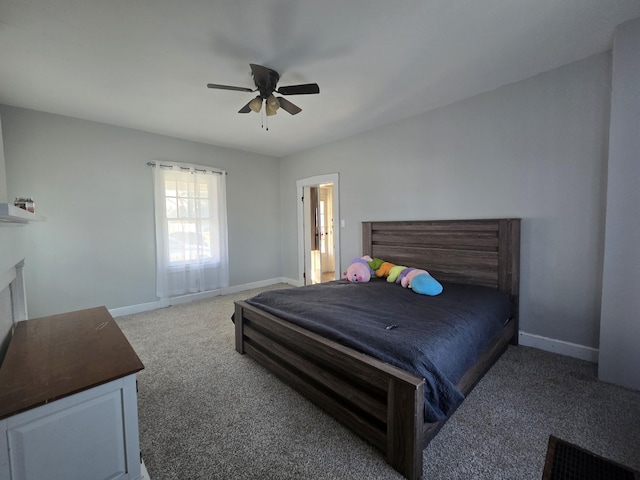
<point x="359" y="270"/>
<point x="403" y="274"/>
<point x="384" y="269"/>
<point x="419" y="280"/>
<point x="395" y="272"/>
<point x="425" y="284"/>
<point x="406" y="281"/>
<point x="375" y="263"/>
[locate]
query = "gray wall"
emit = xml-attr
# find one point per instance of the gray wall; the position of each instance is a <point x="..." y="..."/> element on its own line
<point x="91" y="182"/>
<point x="620" y="324"/>
<point x="11" y="251"/>
<point x="3" y="176"/>
<point x="11" y="236"/>
<point x="535" y="149"/>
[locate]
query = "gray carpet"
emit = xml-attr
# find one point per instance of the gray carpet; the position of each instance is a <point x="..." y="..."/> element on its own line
<point x="207" y="412"/>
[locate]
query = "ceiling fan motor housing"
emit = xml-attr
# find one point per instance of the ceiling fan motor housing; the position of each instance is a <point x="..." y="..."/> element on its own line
<point x="265" y="79"/>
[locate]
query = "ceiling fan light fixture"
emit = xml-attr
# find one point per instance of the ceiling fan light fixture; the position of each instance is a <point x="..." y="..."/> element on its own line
<point x="273" y="101"/>
<point x="270" y="110"/>
<point x="272" y="105"/>
<point x="256" y="104"/>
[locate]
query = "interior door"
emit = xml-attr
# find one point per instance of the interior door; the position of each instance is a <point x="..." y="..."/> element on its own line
<point x="313" y="258"/>
<point x="325" y="229"/>
<point x="318" y="240"/>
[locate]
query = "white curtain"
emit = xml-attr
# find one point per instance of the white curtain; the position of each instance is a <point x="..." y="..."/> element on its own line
<point x="191" y="229"/>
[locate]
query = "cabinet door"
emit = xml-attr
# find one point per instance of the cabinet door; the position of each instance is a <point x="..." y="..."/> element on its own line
<point x="78" y="437"/>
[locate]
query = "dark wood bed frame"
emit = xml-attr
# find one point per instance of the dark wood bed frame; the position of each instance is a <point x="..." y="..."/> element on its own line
<point x="380" y="402"/>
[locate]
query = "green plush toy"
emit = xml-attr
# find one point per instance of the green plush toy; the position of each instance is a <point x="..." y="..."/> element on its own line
<point x="395" y="272"/>
<point x="375" y="264"/>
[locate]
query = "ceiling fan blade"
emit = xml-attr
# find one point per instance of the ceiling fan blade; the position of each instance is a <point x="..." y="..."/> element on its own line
<point x="287" y="106"/>
<point x="305" y="89"/>
<point x="229" y="87"/>
<point x="245" y="109"/>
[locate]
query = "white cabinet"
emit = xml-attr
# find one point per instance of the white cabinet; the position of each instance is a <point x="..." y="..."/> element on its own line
<point x="68" y="401"/>
<point x="90" y="435"/>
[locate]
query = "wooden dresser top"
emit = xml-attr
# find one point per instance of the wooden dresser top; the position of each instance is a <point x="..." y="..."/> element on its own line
<point x="52" y="357"/>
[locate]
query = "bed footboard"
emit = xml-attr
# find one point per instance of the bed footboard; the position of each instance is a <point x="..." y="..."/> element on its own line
<point x="381" y="403"/>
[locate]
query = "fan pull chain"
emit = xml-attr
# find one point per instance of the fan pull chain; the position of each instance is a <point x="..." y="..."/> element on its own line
<point x="264" y="120"/>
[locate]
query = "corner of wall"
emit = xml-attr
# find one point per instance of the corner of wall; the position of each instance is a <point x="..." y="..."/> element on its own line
<point x="4" y="196"/>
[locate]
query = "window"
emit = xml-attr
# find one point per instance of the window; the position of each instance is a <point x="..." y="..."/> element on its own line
<point x="191" y="229"/>
<point x="189" y="219"/>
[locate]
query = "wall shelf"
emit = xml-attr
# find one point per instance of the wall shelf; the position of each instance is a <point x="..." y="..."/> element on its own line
<point x="12" y="214"/>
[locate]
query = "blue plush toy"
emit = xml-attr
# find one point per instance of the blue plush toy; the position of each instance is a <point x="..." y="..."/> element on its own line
<point x="425" y="284"/>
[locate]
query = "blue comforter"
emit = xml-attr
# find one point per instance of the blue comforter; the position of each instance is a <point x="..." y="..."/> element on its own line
<point x="437" y="338"/>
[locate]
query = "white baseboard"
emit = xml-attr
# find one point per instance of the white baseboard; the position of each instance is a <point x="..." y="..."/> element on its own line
<point x="558" y="346"/>
<point x="251" y="286"/>
<point x="291" y="281"/>
<point x="142" y="307"/>
<point x="145" y="307"/>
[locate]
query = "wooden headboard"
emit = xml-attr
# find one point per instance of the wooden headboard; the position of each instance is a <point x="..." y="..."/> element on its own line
<point x="477" y="252"/>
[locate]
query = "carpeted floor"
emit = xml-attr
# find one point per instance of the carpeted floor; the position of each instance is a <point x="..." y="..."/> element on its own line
<point x="207" y="412"/>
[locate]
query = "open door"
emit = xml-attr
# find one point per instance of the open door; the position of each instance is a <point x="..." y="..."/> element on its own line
<point x="318" y="244"/>
<point x="312" y="258"/>
<point x="326" y="232"/>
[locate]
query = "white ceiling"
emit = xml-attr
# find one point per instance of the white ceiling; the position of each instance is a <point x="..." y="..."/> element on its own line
<point x="145" y="64"/>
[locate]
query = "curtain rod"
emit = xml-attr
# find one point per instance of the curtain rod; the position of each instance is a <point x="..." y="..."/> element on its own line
<point x="195" y="169"/>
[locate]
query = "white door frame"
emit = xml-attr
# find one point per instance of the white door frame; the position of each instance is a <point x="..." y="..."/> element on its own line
<point x="333" y="178"/>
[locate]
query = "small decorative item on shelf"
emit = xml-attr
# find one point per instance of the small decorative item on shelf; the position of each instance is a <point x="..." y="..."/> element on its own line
<point x="26" y="204"/>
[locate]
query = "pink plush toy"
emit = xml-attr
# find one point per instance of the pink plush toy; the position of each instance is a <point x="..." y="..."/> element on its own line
<point x="359" y="270"/>
<point x="406" y="280"/>
<point x="421" y="281"/>
<point x="403" y="274"/>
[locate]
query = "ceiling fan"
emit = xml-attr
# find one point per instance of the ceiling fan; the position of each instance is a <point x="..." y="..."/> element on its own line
<point x="266" y="81"/>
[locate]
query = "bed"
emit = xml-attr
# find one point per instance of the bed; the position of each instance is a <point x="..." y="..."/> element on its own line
<point x="380" y="401"/>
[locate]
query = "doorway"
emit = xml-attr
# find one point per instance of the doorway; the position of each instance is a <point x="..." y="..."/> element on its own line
<point x="318" y="232"/>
